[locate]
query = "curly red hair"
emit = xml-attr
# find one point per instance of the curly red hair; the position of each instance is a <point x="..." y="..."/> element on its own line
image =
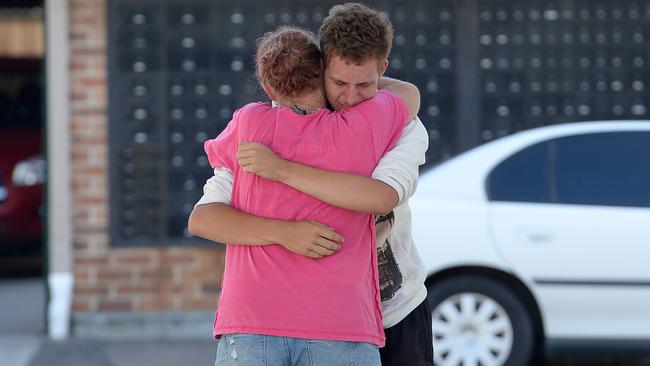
<point x="289" y="61"/>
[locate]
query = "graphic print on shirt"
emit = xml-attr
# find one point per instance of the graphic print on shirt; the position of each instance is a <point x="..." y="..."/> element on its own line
<point x="390" y="277"/>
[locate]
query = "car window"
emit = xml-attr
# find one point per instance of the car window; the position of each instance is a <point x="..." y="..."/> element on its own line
<point x="521" y="178"/>
<point x="21" y="101"/>
<point x="609" y="169"/>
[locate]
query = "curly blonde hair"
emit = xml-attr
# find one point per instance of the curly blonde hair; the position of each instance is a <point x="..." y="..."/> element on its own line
<point x="356" y="33"/>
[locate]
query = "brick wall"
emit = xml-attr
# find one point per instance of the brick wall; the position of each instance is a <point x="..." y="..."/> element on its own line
<point x="111" y="279"/>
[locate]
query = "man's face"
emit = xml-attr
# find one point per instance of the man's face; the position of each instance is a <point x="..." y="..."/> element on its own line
<point x="348" y="84"/>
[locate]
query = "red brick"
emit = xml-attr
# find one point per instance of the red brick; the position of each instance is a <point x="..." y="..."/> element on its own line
<point x="81" y="305"/>
<point x="91" y="261"/>
<point x="210" y="288"/>
<point x="113" y="274"/>
<point x="90" y="289"/>
<point x="115" y="305"/>
<point x="137" y="289"/>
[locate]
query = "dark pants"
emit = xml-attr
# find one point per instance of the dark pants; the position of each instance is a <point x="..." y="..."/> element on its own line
<point x="410" y="342"/>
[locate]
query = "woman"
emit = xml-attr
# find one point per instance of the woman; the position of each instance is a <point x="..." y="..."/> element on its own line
<point x="276" y="305"/>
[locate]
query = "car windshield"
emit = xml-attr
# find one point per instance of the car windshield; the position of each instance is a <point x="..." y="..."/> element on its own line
<point x="20" y="101"/>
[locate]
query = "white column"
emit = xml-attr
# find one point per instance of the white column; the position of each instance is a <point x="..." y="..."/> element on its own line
<point x="59" y="195"/>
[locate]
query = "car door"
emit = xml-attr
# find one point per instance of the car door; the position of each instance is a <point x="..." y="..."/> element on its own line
<point x="573" y="215"/>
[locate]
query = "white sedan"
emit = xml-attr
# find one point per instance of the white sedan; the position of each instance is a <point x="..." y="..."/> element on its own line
<point x="539" y="243"/>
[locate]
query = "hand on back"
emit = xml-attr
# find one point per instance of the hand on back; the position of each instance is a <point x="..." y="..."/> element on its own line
<point x="310" y="239"/>
<point x="259" y="159"/>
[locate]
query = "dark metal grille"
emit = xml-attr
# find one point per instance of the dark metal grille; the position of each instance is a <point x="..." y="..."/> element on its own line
<point x="559" y="61"/>
<point x="178" y="69"/>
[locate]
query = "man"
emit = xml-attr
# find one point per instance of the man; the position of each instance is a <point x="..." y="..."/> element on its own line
<point x="355" y="42"/>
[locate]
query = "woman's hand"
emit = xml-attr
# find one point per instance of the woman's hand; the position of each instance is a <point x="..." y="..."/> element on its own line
<point x="260" y="160"/>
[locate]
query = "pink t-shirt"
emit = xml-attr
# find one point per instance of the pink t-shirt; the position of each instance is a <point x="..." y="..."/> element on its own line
<point x="270" y="290"/>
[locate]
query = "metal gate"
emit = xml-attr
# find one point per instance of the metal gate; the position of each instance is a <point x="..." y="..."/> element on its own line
<point x="485" y="69"/>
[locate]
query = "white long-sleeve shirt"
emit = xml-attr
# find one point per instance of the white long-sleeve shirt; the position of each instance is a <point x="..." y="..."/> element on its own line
<point x="401" y="271"/>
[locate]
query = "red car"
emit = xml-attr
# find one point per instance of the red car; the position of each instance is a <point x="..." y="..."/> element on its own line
<point x="22" y="173"/>
<point x="22" y="169"/>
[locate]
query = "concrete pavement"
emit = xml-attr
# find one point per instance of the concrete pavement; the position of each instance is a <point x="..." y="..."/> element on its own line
<point x="23" y="341"/>
<point x="75" y="352"/>
<point x="21" y="320"/>
<point x="17" y="350"/>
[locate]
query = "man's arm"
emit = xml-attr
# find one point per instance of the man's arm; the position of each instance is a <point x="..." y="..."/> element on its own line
<point x="408" y="92"/>
<point x="395" y="176"/>
<point x="222" y="223"/>
<point x="399" y="167"/>
<point x="213" y="219"/>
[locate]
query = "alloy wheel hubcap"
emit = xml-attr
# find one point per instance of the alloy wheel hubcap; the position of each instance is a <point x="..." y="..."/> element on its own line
<point x="471" y="329"/>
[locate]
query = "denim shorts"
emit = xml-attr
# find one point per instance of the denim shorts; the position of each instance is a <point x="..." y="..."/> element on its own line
<point x="266" y="350"/>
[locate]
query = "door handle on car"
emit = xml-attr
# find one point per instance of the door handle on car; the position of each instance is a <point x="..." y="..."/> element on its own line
<point x="539" y="237"/>
<point x="535" y="236"/>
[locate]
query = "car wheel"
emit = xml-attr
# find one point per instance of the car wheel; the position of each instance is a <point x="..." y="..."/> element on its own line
<point x="479" y="321"/>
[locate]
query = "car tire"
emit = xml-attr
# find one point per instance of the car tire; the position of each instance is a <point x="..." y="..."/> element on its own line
<point x="479" y="321"/>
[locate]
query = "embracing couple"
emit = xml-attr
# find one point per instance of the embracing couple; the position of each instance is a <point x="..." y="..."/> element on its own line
<point x="310" y="194"/>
